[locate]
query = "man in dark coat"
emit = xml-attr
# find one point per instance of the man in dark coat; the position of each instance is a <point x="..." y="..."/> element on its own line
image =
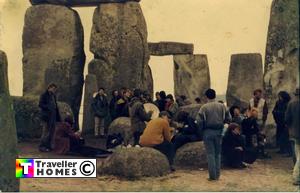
<point x="49" y="115"/>
<point x="122" y="108"/>
<point x="138" y="116"/>
<point x="101" y="109"/>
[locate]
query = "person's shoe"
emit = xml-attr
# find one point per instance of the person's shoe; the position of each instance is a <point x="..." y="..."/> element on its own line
<point x="138" y="146"/>
<point x="172" y="169"/>
<point x="210" y="179"/>
<point x="129" y="146"/>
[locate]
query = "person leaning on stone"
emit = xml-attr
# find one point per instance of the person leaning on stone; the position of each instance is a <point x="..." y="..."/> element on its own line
<point x="292" y="120"/>
<point x="212" y="117"/>
<point x="101" y="108"/>
<point x="49" y="115"/>
<point x="158" y="134"/>
<point x="138" y="115"/>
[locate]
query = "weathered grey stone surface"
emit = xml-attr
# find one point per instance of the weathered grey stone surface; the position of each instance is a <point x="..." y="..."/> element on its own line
<point x="192" y="109"/>
<point x="191" y="75"/>
<point x="119" y="43"/>
<point x="170" y="48"/>
<point x="79" y="3"/>
<point x="245" y="75"/>
<point x="134" y="163"/>
<point x="27" y="116"/>
<point x="88" y="115"/>
<point x="122" y="125"/>
<point x="282" y="54"/>
<point x="53" y="52"/>
<point x="191" y="156"/>
<point x="8" y="136"/>
<point x="148" y="80"/>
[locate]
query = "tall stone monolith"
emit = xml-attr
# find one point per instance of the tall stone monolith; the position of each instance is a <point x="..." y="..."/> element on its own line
<point x="53" y="52"/>
<point x="191" y="75"/>
<point x="119" y="44"/>
<point x="282" y="54"/>
<point x="245" y="75"/>
<point x="8" y="136"/>
<point x="88" y="116"/>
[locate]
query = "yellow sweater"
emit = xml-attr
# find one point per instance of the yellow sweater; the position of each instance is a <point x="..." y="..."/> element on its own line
<point x="156" y="132"/>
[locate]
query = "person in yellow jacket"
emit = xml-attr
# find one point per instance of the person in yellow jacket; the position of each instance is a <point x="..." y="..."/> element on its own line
<point x="158" y="135"/>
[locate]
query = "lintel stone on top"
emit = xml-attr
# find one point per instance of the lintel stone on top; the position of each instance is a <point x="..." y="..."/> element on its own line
<point x="78" y="3"/>
<point x="170" y="48"/>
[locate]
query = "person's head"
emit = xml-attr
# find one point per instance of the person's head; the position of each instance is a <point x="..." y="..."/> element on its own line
<point x="257" y="94"/>
<point x="183" y="97"/>
<point x="182" y="116"/>
<point x="115" y="93"/>
<point x="198" y="100"/>
<point x="165" y="115"/>
<point x="69" y="119"/>
<point x="210" y="94"/>
<point x="235" y="111"/>
<point x="170" y="98"/>
<point x="127" y="93"/>
<point x="253" y="113"/>
<point x="157" y="96"/>
<point x="101" y="91"/>
<point x="284" y="96"/>
<point x="234" y="128"/>
<point x="52" y="88"/>
<point x="162" y="94"/>
<point x="137" y="93"/>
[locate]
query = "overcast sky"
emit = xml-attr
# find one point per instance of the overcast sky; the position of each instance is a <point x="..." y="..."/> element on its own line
<point x="217" y="28"/>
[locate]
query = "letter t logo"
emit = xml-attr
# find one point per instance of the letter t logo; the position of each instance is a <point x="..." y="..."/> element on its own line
<point x="25" y="167"/>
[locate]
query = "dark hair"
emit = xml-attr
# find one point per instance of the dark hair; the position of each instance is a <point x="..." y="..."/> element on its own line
<point x="198" y="100"/>
<point x="157" y="93"/>
<point x="285" y="96"/>
<point x="183" y="97"/>
<point x="256" y="91"/>
<point x="232" y="126"/>
<point x="169" y="96"/>
<point x="52" y="85"/>
<point x="182" y="116"/>
<point x="231" y="110"/>
<point x="164" y="113"/>
<point x="162" y="94"/>
<point x="101" y="88"/>
<point x="210" y="93"/>
<point x="137" y="92"/>
<point x="69" y="119"/>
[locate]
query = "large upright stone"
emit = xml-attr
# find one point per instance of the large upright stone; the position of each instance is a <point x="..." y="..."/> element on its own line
<point x="8" y="136"/>
<point x="170" y="48"/>
<point x="119" y="43"/>
<point x="282" y="54"/>
<point x="245" y="75"/>
<point x="88" y="116"/>
<point x="191" y="75"/>
<point x="53" y="52"/>
<point x="79" y="3"/>
<point x="148" y="80"/>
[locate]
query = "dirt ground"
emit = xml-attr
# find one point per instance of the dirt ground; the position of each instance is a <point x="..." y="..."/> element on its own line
<point x="264" y="175"/>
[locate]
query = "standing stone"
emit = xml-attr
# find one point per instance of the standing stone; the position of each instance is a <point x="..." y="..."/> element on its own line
<point x="148" y="80"/>
<point x="53" y="52"/>
<point x="8" y="136"/>
<point x="80" y="3"/>
<point x="245" y="75"/>
<point x="282" y="54"/>
<point x="88" y="115"/>
<point x="191" y="75"/>
<point x="119" y="44"/>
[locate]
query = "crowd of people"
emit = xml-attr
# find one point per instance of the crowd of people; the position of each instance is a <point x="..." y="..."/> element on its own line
<point x="232" y="136"/>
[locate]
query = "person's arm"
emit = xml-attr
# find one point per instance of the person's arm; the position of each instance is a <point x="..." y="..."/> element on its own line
<point x="167" y="132"/>
<point x="43" y="102"/>
<point x="228" y="117"/>
<point x="265" y="112"/>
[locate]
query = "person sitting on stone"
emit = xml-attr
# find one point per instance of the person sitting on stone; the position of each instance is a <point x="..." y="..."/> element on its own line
<point x="171" y="106"/>
<point x="236" y="115"/>
<point x="250" y="129"/>
<point x="158" y="134"/>
<point x="67" y="141"/>
<point x="189" y="131"/>
<point x="234" y="150"/>
<point x="138" y="116"/>
<point x="123" y="104"/>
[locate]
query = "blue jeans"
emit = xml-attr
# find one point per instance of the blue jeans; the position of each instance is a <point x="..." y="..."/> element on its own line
<point x="213" y="142"/>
